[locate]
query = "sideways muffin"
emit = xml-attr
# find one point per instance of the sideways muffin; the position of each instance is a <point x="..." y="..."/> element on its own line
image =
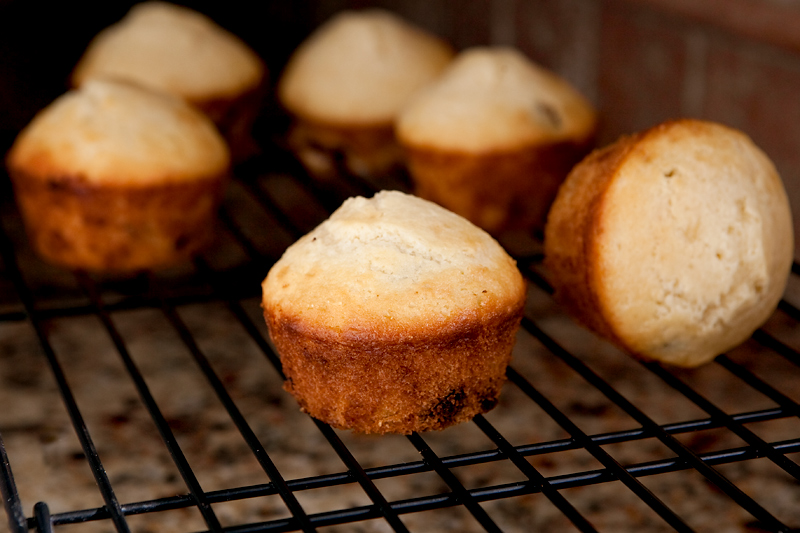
<point x="113" y="177"/>
<point x="494" y="136"/>
<point x="182" y="52"/>
<point x="346" y="83"/>
<point x="675" y="243"/>
<point x="393" y="316"/>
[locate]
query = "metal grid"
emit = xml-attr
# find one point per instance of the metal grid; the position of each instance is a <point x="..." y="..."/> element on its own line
<point x="616" y="418"/>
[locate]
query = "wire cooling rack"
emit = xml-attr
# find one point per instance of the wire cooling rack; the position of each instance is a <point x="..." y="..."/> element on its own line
<point x="204" y="439"/>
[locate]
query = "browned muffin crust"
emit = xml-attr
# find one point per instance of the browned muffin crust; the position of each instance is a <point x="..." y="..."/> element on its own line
<point x="571" y="240"/>
<point x="497" y="190"/>
<point x="117" y="228"/>
<point x="493" y="137"/>
<point x="394" y="316"/>
<point x="359" y="381"/>
<point x="115" y="177"/>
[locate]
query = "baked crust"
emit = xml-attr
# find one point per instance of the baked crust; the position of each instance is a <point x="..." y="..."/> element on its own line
<point x="498" y="190"/>
<point x="494" y="136"/>
<point x="675" y="243"/>
<point x="114" y="177"/>
<point x="394" y="315"/>
<point x="117" y="228"/>
<point x="373" y="381"/>
<point x="572" y="231"/>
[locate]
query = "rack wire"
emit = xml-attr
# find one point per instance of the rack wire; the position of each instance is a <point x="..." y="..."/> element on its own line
<point x="585" y="438"/>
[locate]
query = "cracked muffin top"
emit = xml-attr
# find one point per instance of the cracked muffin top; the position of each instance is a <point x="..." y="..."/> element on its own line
<point x="393" y="263"/>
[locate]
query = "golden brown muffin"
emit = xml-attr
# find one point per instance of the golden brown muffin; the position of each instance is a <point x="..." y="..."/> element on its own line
<point x="113" y="177"/>
<point x="346" y="83"/>
<point x="176" y="50"/>
<point x="493" y="137"/>
<point x="394" y="315"/>
<point x="675" y="243"/>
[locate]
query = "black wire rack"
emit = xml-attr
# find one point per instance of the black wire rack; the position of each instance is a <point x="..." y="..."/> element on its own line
<point x="585" y="438"/>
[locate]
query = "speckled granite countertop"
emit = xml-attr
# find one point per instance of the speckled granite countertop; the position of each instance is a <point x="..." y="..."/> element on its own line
<point x="49" y="465"/>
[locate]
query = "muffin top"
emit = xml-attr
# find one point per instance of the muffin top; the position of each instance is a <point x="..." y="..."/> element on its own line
<point x="685" y="238"/>
<point x="494" y="98"/>
<point x="359" y="68"/>
<point x="392" y="265"/>
<point x="172" y="49"/>
<point x="114" y="133"/>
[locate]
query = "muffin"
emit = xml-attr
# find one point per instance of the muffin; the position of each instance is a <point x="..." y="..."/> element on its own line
<point x="493" y="137"/>
<point x="346" y="83"/>
<point x="181" y="52"/>
<point x="675" y="243"/>
<point x="113" y="177"/>
<point x="393" y="316"/>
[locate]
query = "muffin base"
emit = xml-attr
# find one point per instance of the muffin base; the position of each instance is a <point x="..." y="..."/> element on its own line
<point x="117" y="228"/>
<point x="329" y="151"/>
<point x="395" y="383"/>
<point x="498" y="191"/>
